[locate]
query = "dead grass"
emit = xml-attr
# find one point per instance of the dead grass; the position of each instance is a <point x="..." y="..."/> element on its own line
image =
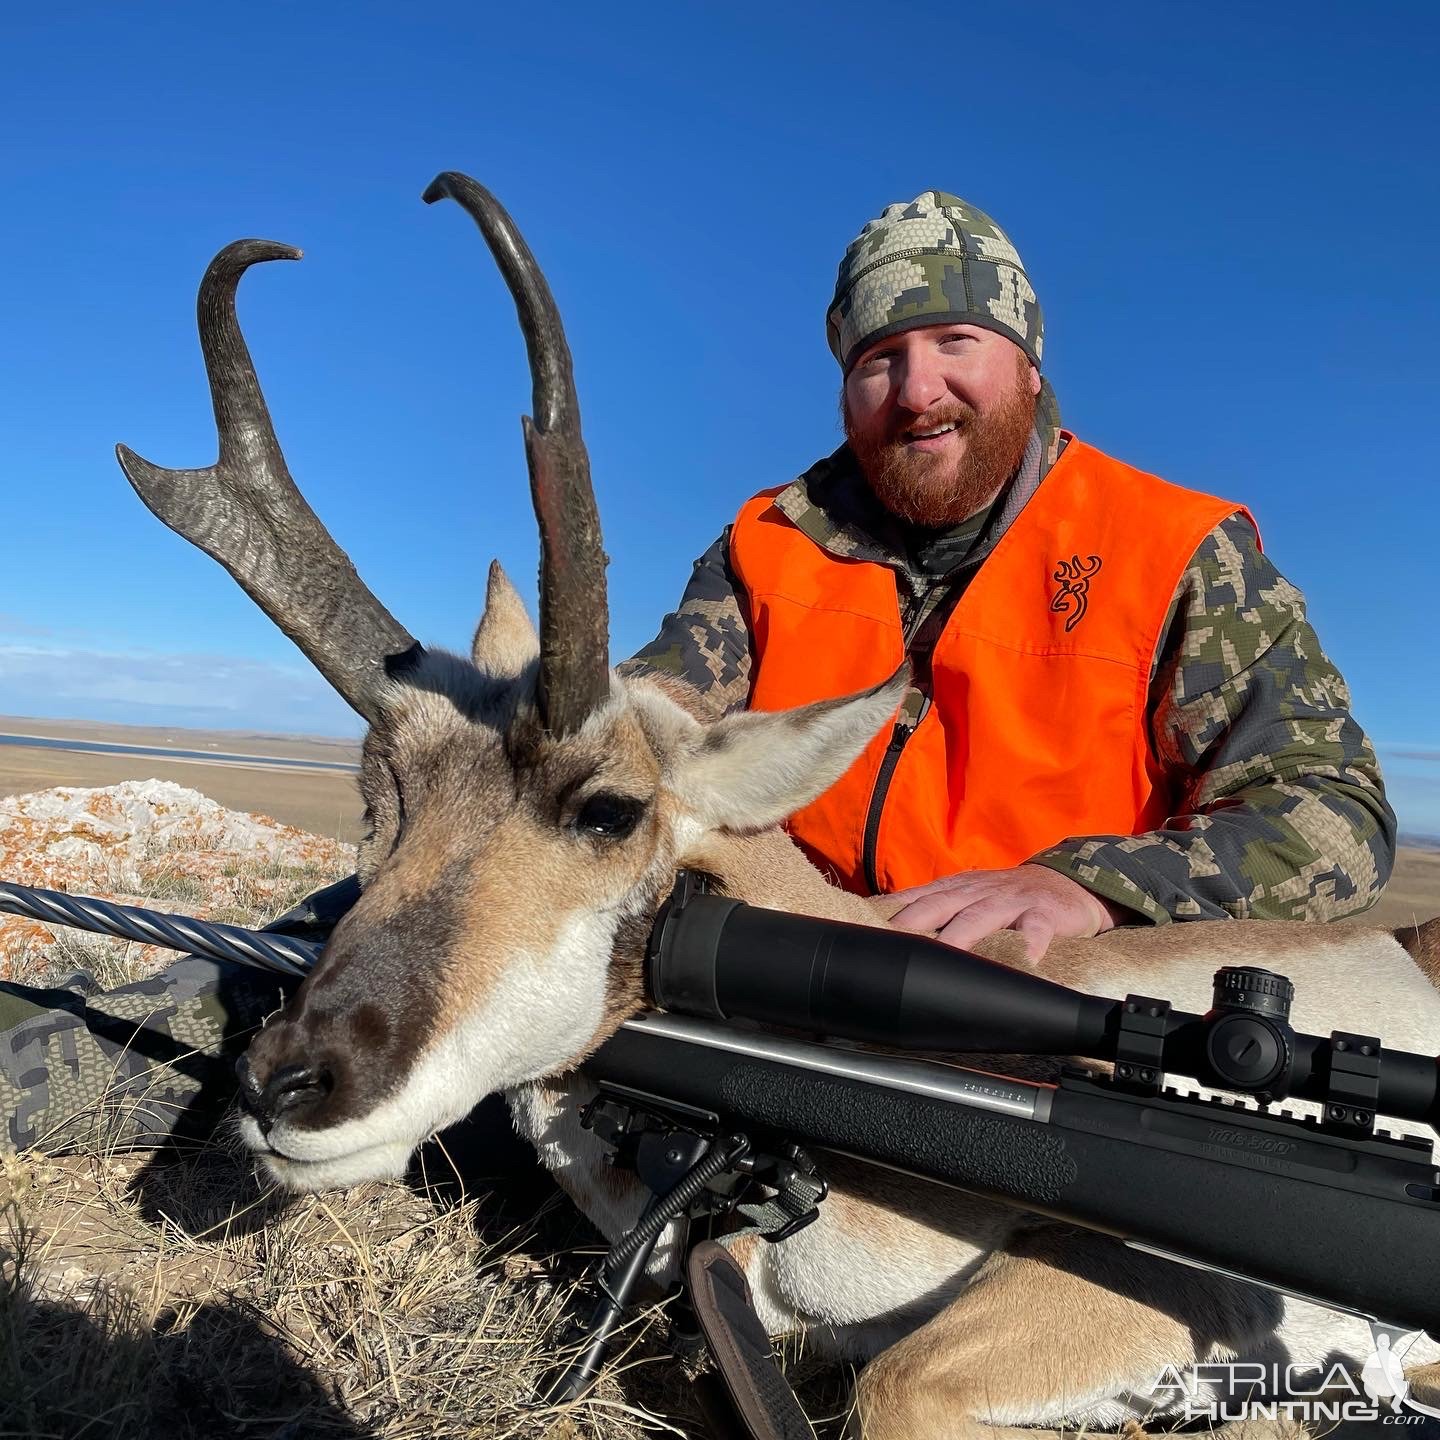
<point x="107" y="960"/>
<point x="171" y="1295"/>
<point x="141" y="1298"/>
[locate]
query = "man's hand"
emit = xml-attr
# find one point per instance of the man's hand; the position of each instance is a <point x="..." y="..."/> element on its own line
<point x="1038" y="902"/>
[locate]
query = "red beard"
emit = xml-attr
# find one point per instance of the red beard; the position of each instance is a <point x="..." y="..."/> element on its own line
<point x="938" y="490"/>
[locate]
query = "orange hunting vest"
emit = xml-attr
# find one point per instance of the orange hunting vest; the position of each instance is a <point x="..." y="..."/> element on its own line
<point x="1037" y="728"/>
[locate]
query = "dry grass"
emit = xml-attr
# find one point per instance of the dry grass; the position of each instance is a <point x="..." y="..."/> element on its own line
<point x="170" y="1294"/>
<point x="140" y="1297"/>
<point x="244" y="893"/>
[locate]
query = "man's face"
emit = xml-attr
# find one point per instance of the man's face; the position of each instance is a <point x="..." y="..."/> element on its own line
<point x="939" y="418"/>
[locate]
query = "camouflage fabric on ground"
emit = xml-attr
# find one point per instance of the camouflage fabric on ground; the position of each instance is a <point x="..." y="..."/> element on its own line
<point x="135" y="1065"/>
<point x="130" y="1066"/>
<point x="1285" y="813"/>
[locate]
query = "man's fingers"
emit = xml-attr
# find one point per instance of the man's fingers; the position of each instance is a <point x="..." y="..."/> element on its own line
<point x="929" y="912"/>
<point x="1038" y="930"/>
<point x="947" y="884"/>
<point x="963" y="909"/>
<point x="975" y="922"/>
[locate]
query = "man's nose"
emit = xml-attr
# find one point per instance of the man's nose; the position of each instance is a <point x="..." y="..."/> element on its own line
<point x="921" y="383"/>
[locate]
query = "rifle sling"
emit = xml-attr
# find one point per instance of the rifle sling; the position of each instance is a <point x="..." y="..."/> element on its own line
<point x="762" y="1398"/>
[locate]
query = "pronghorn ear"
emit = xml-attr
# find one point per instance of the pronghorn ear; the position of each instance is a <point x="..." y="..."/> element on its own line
<point x="755" y="768"/>
<point x="505" y="641"/>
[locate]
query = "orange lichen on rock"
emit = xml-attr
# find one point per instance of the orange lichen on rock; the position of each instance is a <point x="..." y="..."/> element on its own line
<point x="154" y="843"/>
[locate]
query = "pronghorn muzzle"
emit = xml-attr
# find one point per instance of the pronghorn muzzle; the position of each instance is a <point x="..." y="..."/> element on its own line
<point x="292" y="1088"/>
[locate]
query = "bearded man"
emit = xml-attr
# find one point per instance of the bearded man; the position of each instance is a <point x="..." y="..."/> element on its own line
<point x="1119" y="713"/>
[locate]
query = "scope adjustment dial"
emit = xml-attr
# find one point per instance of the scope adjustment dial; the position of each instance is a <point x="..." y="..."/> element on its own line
<point x="1248" y="1041"/>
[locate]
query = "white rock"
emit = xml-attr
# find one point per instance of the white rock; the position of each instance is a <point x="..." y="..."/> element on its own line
<point x="114" y="840"/>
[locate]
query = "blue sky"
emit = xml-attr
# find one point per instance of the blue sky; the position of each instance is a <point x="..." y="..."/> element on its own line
<point x="1228" y="211"/>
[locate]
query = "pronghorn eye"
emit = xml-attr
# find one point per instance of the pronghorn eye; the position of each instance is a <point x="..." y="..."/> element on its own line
<point x="612" y="817"/>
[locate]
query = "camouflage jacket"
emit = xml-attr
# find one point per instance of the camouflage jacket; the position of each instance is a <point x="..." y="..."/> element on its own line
<point x="1284" y="817"/>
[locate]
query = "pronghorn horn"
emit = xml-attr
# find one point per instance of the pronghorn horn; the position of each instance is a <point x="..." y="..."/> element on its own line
<point x="574" y="618"/>
<point x="246" y="512"/>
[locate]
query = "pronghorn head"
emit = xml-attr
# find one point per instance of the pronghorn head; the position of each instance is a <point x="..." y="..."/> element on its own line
<point x="527" y="809"/>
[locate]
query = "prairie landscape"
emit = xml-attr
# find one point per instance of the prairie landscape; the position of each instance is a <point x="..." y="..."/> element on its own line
<point x="325" y="802"/>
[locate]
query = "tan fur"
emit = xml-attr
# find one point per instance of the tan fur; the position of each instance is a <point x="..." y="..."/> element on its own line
<point x="505" y="641"/>
<point x="1423" y="944"/>
<point x="958" y="1377"/>
<point x="1425" y="1384"/>
<point x="952" y="1375"/>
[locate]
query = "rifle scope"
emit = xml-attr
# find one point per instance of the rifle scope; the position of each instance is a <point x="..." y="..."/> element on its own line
<point x="721" y="959"/>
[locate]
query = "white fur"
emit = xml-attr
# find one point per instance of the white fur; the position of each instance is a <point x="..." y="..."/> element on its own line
<point x="542" y="1011"/>
<point x="754" y="768"/>
<point x="548" y="1117"/>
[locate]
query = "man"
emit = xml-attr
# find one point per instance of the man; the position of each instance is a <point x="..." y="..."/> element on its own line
<point x="1119" y="713"/>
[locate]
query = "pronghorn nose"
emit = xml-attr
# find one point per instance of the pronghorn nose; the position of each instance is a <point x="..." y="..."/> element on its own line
<point x="288" y="1088"/>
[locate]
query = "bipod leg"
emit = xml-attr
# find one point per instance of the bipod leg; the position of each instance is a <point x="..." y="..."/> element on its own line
<point x="683" y="1163"/>
<point x="616" y="1286"/>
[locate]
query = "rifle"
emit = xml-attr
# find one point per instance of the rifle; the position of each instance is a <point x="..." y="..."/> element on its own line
<point x="1327" y="1209"/>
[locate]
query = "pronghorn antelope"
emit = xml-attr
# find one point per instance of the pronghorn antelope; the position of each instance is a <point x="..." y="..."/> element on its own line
<point x="528" y="810"/>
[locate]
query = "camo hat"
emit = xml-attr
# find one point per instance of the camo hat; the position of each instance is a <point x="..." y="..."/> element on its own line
<point x="934" y="260"/>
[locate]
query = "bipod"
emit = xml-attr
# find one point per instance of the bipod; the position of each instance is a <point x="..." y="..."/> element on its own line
<point x="694" y="1170"/>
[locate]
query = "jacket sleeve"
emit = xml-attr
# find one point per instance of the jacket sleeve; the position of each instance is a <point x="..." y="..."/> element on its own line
<point x="1283" y="815"/>
<point x="706" y="638"/>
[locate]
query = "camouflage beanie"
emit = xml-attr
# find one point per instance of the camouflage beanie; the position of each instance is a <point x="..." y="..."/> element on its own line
<point x="934" y="260"/>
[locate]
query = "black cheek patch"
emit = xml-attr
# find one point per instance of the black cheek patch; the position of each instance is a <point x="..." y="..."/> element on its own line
<point x="369" y="1028"/>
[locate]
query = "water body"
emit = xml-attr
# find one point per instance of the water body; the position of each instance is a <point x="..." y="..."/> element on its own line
<point x="165" y="752"/>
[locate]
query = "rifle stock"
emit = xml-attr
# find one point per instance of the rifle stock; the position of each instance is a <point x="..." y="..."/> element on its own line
<point x="1352" y="1223"/>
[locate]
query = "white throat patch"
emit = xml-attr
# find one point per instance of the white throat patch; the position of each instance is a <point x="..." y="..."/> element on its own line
<point x="542" y="1011"/>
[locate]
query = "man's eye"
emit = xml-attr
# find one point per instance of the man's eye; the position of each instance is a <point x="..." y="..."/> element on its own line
<point x="610" y="817"/>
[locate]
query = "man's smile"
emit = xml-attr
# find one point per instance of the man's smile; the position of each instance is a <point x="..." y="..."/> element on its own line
<point x="929" y="437"/>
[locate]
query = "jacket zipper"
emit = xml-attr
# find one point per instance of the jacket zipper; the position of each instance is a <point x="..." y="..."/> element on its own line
<point x="924" y="632"/>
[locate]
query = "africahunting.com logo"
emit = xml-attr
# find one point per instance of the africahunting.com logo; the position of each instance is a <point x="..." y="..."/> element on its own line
<point x="1298" y="1392"/>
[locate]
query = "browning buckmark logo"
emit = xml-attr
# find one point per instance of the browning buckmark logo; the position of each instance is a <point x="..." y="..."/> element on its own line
<point x="1074" y="576"/>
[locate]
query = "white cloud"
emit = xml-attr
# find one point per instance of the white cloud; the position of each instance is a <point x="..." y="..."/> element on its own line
<point x="139" y="687"/>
